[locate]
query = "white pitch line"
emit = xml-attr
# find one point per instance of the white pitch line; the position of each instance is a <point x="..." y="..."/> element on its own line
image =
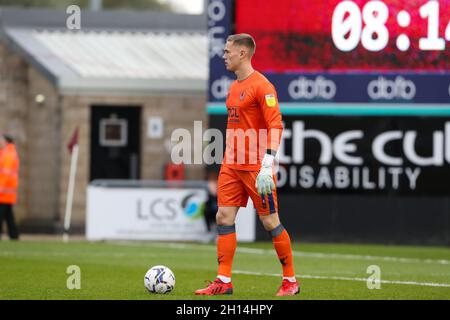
<point x="317" y="255"/>
<point x="321" y="255"/>
<point x="306" y="276"/>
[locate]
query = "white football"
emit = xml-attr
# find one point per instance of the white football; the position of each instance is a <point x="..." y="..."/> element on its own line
<point x="159" y="279"/>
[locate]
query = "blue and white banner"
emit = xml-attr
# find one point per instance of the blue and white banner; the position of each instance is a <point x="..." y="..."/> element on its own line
<point x="346" y="87"/>
<point x="219" y="28"/>
<point x="362" y="87"/>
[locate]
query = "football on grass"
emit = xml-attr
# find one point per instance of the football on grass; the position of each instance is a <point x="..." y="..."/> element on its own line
<point x="159" y="279"/>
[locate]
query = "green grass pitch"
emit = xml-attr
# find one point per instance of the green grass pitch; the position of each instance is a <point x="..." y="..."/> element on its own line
<point x="115" y="270"/>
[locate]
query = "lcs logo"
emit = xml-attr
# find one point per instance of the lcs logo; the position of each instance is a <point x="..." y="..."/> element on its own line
<point x="158" y="209"/>
<point x="386" y="89"/>
<point x="193" y="206"/>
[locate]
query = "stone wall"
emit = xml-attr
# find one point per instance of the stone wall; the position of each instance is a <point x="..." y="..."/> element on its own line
<point x="176" y="111"/>
<point x="42" y="158"/>
<point x="13" y="114"/>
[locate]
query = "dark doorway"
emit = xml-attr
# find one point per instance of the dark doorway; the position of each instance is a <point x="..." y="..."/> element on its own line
<point x="115" y="142"/>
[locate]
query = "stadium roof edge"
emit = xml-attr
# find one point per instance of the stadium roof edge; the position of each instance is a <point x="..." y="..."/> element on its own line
<point x="106" y="19"/>
<point x="187" y="48"/>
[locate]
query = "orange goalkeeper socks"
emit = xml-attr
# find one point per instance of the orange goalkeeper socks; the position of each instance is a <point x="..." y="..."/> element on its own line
<point x="282" y="243"/>
<point x="226" y="246"/>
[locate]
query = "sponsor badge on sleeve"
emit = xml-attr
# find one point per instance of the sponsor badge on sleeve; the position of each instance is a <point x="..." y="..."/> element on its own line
<point x="271" y="101"/>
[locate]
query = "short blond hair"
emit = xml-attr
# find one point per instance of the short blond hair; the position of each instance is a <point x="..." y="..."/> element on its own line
<point x="244" y="39"/>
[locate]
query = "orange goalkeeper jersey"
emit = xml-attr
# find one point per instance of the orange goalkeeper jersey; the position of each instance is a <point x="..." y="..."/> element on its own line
<point x="254" y="122"/>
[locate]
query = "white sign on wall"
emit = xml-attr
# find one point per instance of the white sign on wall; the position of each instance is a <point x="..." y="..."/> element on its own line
<point x="154" y="214"/>
<point x="155" y="127"/>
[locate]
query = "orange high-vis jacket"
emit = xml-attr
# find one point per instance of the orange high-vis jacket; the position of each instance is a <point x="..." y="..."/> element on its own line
<point x="9" y="174"/>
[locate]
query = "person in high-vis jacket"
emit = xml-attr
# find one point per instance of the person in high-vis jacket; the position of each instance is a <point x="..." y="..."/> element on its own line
<point x="9" y="181"/>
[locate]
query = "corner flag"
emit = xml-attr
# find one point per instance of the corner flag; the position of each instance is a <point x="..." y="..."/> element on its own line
<point x="73" y="150"/>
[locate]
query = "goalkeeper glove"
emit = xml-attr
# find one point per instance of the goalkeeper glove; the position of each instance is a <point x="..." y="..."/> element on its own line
<point x="264" y="180"/>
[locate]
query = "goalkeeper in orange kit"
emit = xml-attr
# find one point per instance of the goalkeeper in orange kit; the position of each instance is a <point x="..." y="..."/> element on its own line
<point x="253" y="135"/>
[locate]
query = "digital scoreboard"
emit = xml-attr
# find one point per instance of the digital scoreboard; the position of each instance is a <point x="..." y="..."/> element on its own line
<point x="359" y="35"/>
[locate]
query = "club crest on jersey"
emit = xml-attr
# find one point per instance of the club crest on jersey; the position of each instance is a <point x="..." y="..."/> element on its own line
<point x="270" y="100"/>
<point x="242" y="95"/>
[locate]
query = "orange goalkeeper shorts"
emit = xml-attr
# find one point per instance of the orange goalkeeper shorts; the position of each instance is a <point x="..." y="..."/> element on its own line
<point x="235" y="186"/>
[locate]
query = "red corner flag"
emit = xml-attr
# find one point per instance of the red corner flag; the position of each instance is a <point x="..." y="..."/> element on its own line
<point x="73" y="141"/>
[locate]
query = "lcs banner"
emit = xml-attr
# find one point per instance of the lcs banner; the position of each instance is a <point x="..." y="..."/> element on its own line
<point x="404" y="155"/>
<point x="145" y="214"/>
